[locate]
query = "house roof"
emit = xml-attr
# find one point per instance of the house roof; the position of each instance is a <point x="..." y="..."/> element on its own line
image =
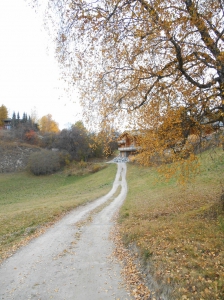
<point x="130" y="133"/>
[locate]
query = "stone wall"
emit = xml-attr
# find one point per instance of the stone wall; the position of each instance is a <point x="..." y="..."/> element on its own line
<point x="14" y="156"/>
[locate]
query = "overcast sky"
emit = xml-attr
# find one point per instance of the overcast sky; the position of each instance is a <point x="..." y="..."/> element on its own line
<point x="29" y="74"/>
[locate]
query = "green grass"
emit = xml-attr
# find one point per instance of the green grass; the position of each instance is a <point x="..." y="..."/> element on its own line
<point x="28" y="202"/>
<point x="179" y="229"/>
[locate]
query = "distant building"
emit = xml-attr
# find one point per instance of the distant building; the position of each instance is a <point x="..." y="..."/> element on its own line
<point x="127" y="144"/>
<point x="7" y="123"/>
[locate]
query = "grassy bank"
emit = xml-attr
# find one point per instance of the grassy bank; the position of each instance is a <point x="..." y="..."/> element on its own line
<point x="179" y="230"/>
<point x="30" y="203"/>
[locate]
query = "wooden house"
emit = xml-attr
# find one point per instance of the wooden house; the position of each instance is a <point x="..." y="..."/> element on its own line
<point x="127" y="143"/>
<point x="7" y="123"/>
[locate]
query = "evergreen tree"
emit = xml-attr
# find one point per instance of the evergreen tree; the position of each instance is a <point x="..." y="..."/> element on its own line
<point x="24" y="119"/>
<point x="13" y="119"/>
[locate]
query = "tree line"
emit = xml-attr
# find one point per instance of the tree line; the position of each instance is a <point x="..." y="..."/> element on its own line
<point x="77" y="142"/>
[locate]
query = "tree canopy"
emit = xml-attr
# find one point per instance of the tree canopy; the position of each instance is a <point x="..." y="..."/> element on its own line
<point x="161" y="62"/>
<point x="3" y="114"/>
<point x="47" y="124"/>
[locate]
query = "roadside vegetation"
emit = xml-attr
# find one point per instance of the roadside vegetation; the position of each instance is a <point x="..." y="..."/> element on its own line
<point x="178" y="229"/>
<point x="29" y="204"/>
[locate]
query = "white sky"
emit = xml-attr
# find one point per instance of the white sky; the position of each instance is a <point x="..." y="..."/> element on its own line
<point x="29" y="76"/>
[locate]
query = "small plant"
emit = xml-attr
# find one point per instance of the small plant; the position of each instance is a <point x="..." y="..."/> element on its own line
<point x="146" y="254"/>
<point x="82" y="164"/>
<point x="96" y="168"/>
<point x="44" y="162"/>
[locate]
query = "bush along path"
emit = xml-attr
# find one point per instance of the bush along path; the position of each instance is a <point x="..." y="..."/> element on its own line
<point x="72" y="260"/>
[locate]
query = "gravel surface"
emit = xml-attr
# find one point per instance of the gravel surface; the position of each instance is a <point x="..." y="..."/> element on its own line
<point x="72" y="259"/>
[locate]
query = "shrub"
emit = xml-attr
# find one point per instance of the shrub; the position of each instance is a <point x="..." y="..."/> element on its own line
<point x="96" y="168"/>
<point x="82" y="164"/>
<point x="44" y="162"/>
<point x="65" y="158"/>
<point x="31" y="136"/>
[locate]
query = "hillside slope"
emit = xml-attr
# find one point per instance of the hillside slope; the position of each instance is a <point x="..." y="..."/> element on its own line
<point x="14" y="155"/>
<point x="178" y="231"/>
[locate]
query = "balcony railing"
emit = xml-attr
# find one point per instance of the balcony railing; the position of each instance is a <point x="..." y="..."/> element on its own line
<point x="131" y="148"/>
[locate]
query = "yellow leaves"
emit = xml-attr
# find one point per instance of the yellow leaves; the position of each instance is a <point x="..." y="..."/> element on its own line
<point x="47" y="124"/>
<point x="3" y="114"/>
<point x="221" y="57"/>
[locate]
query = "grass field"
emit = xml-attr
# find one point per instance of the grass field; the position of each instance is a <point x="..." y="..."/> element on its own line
<point x="29" y="203"/>
<point x="179" y="230"/>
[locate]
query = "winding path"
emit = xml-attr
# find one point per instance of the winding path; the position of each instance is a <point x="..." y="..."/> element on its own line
<point x="72" y="259"/>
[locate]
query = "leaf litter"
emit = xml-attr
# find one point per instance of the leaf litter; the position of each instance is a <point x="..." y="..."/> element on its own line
<point x="131" y="274"/>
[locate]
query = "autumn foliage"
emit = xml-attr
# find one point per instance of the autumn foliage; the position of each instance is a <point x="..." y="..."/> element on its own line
<point x="31" y="136"/>
<point x="47" y="124"/>
<point x="3" y="114"/>
<point x="156" y="66"/>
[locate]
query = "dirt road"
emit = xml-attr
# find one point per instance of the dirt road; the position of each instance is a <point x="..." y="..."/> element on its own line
<point x="72" y="259"/>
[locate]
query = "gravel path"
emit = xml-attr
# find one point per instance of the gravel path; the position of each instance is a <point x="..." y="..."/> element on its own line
<point x="72" y="259"/>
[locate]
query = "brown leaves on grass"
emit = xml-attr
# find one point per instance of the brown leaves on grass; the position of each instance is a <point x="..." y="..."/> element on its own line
<point x="178" y="232"/>
<point x="188" y="257"/>
<point x="132" y="275"/>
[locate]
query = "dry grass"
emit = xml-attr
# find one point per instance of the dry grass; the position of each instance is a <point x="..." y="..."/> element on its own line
<point x="179" y="230"/>
<point x="12" y="145"/>
<point x="82" y="168"/>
